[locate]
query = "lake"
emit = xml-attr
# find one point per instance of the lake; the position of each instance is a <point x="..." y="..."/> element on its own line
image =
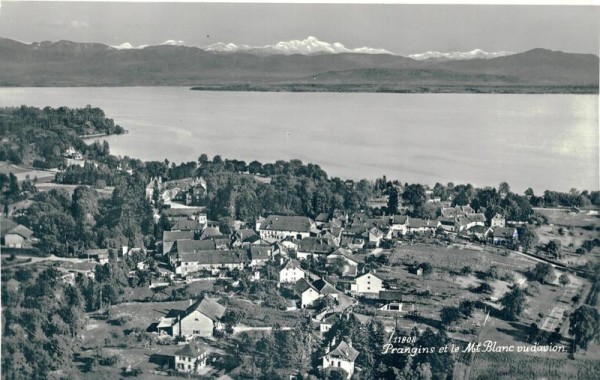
<point x="538" y="141"/>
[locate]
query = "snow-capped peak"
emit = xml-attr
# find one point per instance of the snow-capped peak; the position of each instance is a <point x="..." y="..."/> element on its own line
<point x="127" y="45"/>
<point x="174" y="43"/>
<point x="473" y="54"/>
<point x="310" y="45"/>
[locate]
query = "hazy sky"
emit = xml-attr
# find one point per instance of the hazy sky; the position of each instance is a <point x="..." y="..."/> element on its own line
<point x="401" y="29"/>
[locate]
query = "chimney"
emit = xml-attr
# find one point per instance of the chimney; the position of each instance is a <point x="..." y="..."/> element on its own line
<point x="190" y="302"/>
<point x="349" y="342"/>
<point x="332" y="343"/>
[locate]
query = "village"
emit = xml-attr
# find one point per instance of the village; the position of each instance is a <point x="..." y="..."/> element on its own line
<point x="240" y="281"/>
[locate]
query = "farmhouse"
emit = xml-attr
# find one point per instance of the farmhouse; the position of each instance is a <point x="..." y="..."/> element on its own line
<point x="16" y="237"/>
<point x="279" y="227"/>
<point x="169" y="238"/>
<point x="199" y="319"/>
<point x="213" y="261"/>
<point x="306" y="293"/>
<point x="503" y="235"/>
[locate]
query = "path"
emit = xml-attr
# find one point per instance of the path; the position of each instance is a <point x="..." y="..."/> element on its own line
<point x="556" y="315"/>
<point x="37" y="259"/>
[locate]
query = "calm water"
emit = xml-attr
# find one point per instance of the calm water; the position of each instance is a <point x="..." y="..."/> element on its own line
<point x="542" y="141"/>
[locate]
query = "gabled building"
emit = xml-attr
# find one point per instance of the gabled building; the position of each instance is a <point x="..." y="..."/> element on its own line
<point x="306" y="293"/>
<point x="399" y="224"/>
<point x="342" y="255"/>
<point x="170" y="237"/>
<point x="260" y="255"/>
<point x="418" y="225"/>
<point x="213" y="261"/>
<point x="279" y="227"/>
<point x="498" y="221"/>
<point x="342" y="356"/>
<point x="315" y="246"/>
<point x="503" y="235"/>
<point x="201" y="318"/>
<point x="368" y="285"/>
<point x="185" y="246"/>
<point x="291" y="272"/>
<point x="16" y="236"/>
<point x="191" y="358"/>
<point x="187" y="225"/>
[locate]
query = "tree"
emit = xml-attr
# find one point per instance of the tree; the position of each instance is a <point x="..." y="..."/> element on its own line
<point x="514" y="303"/>
<point x="584" y="325"/>
<point x="526" y="237"/>
<point x="414" y="195"/>
<point x="393" y="199"/>
<point x="503" y="188"/>
<point x="466" y="308"/>
<point x="484" y="288"/>
<point x="564" y="279"/>
<point x="427" y="269"/>
<point x="442" y="364"/>
<point x="449" y="315"/>
<point x="543" y="273"/>
<point x="553" y="248"/>
<point x="533" y="332"/>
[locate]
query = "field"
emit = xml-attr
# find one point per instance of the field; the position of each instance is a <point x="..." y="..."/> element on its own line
<point x="518" y="366"/>
<point x="562" y="217"/>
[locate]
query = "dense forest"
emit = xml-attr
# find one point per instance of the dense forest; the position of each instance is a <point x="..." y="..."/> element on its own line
<point x="41" y="136"/>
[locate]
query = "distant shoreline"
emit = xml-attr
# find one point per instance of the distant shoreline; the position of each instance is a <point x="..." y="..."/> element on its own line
<point x="378" y="88"/>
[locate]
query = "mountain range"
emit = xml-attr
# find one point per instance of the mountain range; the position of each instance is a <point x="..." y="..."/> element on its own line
<point x="303" y="65"/>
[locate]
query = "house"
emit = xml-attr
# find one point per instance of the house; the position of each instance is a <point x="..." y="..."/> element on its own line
<point x="350" y="262"/>
<point x="447" y="224"/>
<point x="181" y="247"/>
<point x="214" y="261"/>
<point x="191" y="358"/>
<point x="244" y="237"/>
<point x="327" y="323"/>
<point x="200" y="318"/>
<point x="260" y="255"/>
<point x="326" y="289"/>
<point x="498" y="221"/>
<point x="187" y="225"/>
<point x="306" y="293"/>
<point x="342" y="356"/>
<point x="279" y="227"/>
<point x="418" y="225"/>
<point x="399" y="224"/>
<point x="321" y="219"/>
<point x="211" y="232"/>
<point x="469" y="221"/>
<point x="169" y="238"/>
<point x="503" y="235"/>
<point x="374" y="237"/>
<point x="16" y="236"/>
<point x="291" y="272"/>
<point x="101" y="256"/>
<point x="368" y="284"/>
<point x="315" y="246"/>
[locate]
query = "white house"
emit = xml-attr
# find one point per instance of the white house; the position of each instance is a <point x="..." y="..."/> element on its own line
<point x="342" y="356"/>
<point x="400" y="224"/>
<point x="498" y="221"/>
<point x="291" y="272"/>
<point x="306" y="292"/>
<point x="199" y="319"/>
<point x="368" y="284"/>
<point x="191" y="358"/>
